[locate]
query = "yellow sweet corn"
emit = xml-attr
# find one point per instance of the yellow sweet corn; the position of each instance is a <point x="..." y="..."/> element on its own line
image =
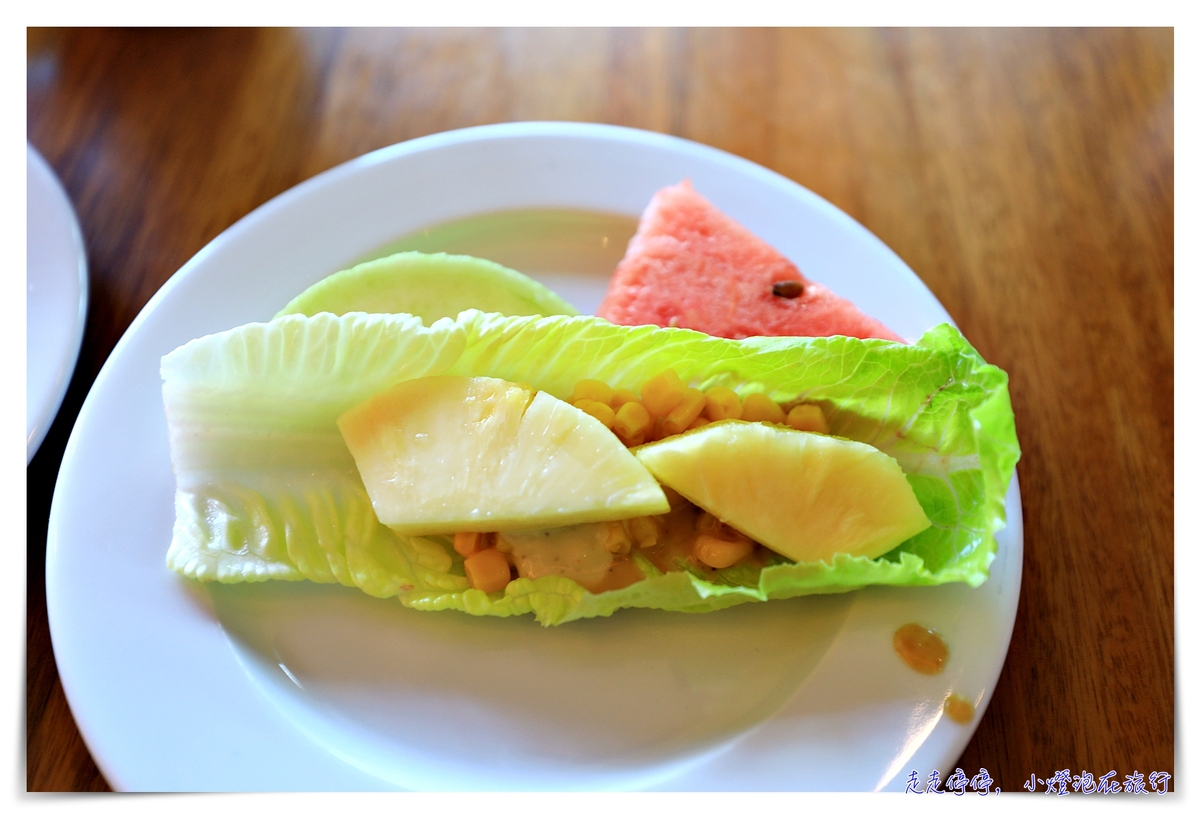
<point x="684" y="413"/>
<point x="722" y="403"/>
<point x="488" y="570"/>
<point x="620" y="397"/>
<point x="468" y="542"/>
<point x="663" y="392"/>
<point x="588" y="389"/>
<point x="758" y="407"/>
<point x="600" y="411"/>
<point x="631" y="421"/>
<point x="808" y="418"/>
<point x="718" y="553"/>
<point x="647" y="532"/>
<point x="616" y="538"/>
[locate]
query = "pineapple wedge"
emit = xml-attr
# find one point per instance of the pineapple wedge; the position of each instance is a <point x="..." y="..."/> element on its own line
<point x="445" y="454"/>
<point x="804" y="495"/>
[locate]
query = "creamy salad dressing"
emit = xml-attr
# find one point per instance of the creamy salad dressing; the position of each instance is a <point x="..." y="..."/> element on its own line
<point x="599" y="556"/>
<point x="578" y="552"/>
<point x="673" y="551"/>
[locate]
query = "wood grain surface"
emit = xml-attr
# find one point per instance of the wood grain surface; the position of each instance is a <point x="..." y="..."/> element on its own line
<point x="1025" y="175"/>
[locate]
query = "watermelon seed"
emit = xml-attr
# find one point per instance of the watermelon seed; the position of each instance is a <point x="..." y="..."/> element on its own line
<point x="788" y="289"/>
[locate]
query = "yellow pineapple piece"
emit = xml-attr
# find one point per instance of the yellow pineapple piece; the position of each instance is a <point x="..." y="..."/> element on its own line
<point x="806" y="496"/>
<point x="446" y="454"/>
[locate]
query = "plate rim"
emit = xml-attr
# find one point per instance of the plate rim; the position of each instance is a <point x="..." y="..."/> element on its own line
<point x="37" y="168"/>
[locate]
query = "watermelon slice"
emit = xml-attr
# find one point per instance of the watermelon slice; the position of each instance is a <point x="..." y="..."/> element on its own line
<point x="690" y="265"/>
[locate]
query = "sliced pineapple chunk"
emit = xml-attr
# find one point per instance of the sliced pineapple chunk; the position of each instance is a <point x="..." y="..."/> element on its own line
<point x="807" y="496"/>
<point x="445" y="454"/>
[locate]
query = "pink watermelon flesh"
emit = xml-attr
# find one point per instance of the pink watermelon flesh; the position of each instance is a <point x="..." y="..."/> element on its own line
<point x="690" y="265"/>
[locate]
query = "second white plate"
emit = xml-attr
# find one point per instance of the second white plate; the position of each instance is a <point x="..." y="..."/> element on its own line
<point x="56" y="297"/>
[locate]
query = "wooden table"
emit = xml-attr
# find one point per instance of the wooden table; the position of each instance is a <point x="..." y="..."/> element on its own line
<point x="1026" y="176"/>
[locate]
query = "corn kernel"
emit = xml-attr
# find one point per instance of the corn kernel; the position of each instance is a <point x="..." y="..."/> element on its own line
<point x="600" y="411"/>
<point x="488" y="571"/>
<point x="647" y="532"/>
<point x="698" y="422"/>
<point x="631" y="420"/>
<point x="616" y="538"/>
<point x="717" y="553"/>
<point x="708" y="523"/>
<point x="655" y="432"/>
<point x="469" y="542"/>
<point x="588" y="389"/>
<point x="808" y="418"/>
<point x="712" y="526"/>
<point x="663" y="392"/>
<point x="620" y="397"/>
<point x="684" y="412"/>
<point x="758" y="407"/>
<point x="722" y="403"/>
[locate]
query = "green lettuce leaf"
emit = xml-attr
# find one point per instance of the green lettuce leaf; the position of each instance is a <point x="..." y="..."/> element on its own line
<point x="266" y="489"/>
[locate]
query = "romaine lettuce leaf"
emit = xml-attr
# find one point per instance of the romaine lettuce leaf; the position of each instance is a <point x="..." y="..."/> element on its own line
<point x="267" y="490"/>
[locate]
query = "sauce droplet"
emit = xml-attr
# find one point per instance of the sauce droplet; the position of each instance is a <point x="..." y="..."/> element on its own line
<point x="921" y="648"/>
<point x="788" y="289"/>
<point x="959" y="709"/>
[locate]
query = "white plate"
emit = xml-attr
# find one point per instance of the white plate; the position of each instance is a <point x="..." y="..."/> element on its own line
<point x="56" y="297"/>
<point x="298" y="686"/>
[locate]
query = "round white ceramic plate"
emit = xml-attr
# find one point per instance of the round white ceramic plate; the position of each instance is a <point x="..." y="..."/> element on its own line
<point x="284" y="686"/>
<point x="56" y="297"/>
